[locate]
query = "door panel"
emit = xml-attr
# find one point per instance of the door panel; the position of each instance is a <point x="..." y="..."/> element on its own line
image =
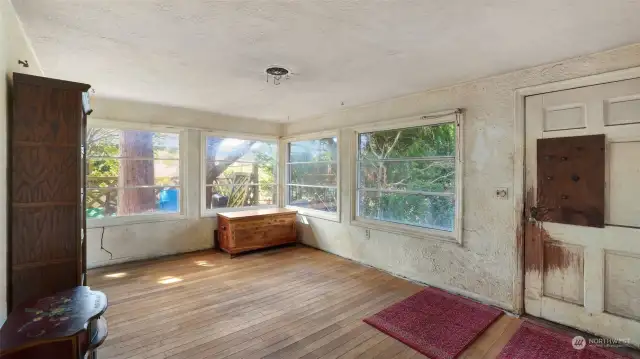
<point x="563" y="272"/>
<point x="622" y="284"/>
<point x="581" y="276"/>
<point x="624" y="172"/>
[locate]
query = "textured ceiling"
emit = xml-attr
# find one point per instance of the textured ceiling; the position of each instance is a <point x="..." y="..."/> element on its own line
<point x="211" y="55"/>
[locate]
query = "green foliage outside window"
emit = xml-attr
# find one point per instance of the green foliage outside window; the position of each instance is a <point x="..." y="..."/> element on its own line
<point x="408" y="176"/>
<point x="312" y="170"/>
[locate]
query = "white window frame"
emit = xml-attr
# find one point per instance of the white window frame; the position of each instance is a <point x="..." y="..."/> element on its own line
<point x="145" y="217"/>
<point x="204" y="212"/>
<point x="285" y="195"/>
<point x="453" y="116"/>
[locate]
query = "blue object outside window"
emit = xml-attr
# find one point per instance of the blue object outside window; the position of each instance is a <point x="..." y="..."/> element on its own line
<point x="168" y="200"/>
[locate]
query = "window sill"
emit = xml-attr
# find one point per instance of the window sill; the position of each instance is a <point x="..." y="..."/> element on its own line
<point x="137" y="219"/>
<point x="214" y="212"/>
<point x="329" y="216"/>
<point x="406" y="230"/>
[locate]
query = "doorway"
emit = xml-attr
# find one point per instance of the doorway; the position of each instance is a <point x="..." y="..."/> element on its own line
<point x="582" y="208"/>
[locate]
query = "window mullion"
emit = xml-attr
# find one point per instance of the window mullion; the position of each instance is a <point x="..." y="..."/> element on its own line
<point x="426" y="193"/>
<point x="310" y="186"/>
<point x="133" y="158"/>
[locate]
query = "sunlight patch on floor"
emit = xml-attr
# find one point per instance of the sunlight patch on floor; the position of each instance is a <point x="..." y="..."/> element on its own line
<point x="116" y="275"/>
<point x="169" y="280"/>
<point x="204" y="263"/>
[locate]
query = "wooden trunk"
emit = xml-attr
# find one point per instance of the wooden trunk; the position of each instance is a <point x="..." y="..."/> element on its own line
<point x="46" y="187"/>
<point x="249" y="230"/>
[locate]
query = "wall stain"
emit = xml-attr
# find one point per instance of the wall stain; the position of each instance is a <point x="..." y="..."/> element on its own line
<point x="559" y="257"/>
<point x="534" y="237"/>
<point x="541" y="252"/>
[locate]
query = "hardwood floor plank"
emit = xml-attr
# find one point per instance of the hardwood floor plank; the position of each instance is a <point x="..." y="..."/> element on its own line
<point x="482" y="345"/>
<point x="503" y="339"/>
<point x="287" y="303"/>
<point x="336" y="314"/>
<point x="345" y="346"/>
<point x="408" y="353"/>
<point x="333" y="341"/>
<point x="294" y="317"/>
<point x="270" y="322"/>
<point x="287" y="352"/>
<point x="394" y="349"/>
<point x="377" y="349"/>
<point x="236" y="302"/>
<point x="275" y="325"/>
<point x="364" y="346"/>
<point x="302" y="314"/>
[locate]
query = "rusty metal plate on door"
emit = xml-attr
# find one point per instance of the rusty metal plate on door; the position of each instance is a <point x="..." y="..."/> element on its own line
<point x="571" y="180"/>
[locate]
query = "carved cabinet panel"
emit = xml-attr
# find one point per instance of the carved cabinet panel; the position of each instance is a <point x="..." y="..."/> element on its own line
<point x="46" y="208"/>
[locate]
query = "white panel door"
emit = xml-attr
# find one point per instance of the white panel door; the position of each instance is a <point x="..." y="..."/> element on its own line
<point x="587" y="277"/>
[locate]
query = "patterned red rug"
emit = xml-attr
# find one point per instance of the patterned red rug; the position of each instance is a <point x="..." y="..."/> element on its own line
<point x="437" y="324"/>
<point x="532" y="341"/>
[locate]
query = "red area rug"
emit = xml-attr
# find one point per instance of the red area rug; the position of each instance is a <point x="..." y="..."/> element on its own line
<point x="532" y="341"/>
<point x="437" y="324"/>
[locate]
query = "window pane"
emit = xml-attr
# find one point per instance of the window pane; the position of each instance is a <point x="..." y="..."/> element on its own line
<point x="315" y="174"/>
<point x="107" y="142"/>
<point x="240" y="195"/>
<point x="324" y="149"/>
<point x="102" y="203"/>
<point x="321" y="199"/>
<point x="121" y="159"/>
<point x="109" y="172"/>
<point x="414" y="209"/>
<point x="124" y="202"/>
<point x="227" y="156"/>
<point x="436" y="140"/>
<point x="415" y="175"/>
<point x="166" y="172"/>
<point x="233" y="150"/>
<point x="104" y="142"/>
<point x="166" y="145"/>
<point x="241" y="172"/>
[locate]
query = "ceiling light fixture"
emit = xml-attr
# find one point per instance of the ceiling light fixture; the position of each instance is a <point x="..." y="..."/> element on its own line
<point x="277" y="73"/>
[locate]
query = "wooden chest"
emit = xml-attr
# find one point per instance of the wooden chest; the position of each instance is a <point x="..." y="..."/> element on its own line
<point x="248" y="230"/>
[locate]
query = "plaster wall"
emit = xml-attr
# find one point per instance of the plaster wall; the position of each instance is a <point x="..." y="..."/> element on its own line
<point x="141" y="112"/>
<point x="484" y="267"/>
<point x="14" y="45"/>
<point x="148" y="240"/>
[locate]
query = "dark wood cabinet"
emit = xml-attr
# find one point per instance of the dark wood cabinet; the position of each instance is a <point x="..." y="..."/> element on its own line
<point x="67" y="325"/>
<point x="46" y="188"/>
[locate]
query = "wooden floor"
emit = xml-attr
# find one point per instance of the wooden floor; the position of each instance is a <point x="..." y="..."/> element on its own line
<point x="293" y="302"/>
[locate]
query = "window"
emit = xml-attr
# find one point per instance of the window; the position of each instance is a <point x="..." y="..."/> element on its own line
<point x="239" y="173"/>
<point x="132" y="172"/>
<point x="312" y="175"/>
<point x="408" y="176"/>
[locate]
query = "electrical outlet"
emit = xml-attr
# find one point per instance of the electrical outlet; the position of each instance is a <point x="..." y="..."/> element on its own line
<point x="367" y="234"/>
<point x="502" y="193"/>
